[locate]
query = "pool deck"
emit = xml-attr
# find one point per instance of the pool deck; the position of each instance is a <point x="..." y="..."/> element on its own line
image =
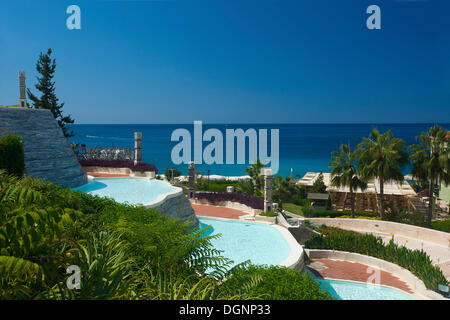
<point x="346" y="270"/>
<point x="217" y="212"/>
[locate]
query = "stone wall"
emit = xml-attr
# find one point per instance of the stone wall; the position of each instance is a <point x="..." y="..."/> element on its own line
<point x="109" y="154"/>
<point x="177" y="207"/>
<point x="48" y="154"/>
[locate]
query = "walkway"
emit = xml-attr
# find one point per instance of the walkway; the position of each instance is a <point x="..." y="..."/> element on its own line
<point x="217" y="212"/>
<point x="346" y="270"/>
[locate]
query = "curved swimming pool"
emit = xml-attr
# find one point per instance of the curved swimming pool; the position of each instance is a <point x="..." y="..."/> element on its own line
<point x="134" y="191"/>
<point x="241" y="241"/>
<point x="350" y="290"/>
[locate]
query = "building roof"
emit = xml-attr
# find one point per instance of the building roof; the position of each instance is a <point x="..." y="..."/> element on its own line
<point x="373" y="186"/>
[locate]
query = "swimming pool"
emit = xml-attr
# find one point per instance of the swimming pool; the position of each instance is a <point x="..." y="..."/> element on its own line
<point x="128" y="190"/>
<point x="241" y="241"/>
<point x="349" y="290"/>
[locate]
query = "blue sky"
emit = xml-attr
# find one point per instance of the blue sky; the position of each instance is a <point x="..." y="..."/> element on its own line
<point x="235" y="61"/>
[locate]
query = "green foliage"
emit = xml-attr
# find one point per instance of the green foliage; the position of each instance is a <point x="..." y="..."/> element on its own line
<point x="285" y="190"/>
<point x="441" y="225"/>
<point x="278" y="283"/>
<point x="254" y="171"/>
<point x="382" y="157"/>
<point x="431" y="162"/>
<point x="269" y="214"/>
<point x="172" y="173"/>
<point x="45" y="66"/>
<point x="221" y="185"/>
<point x="337" y="214"/>
<point x="344" y="171"/>
<point x="318" y="185"/>
<point x="249" y="188"/>
<point x="416" y="261"/>
<point x="124" y="252"/>
<point x="12" y="157"/>
<point x="18" y="277"/>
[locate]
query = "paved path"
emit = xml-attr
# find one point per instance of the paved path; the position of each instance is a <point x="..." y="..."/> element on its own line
<point x="346" y="270"/>
<point x="218" y="212"/>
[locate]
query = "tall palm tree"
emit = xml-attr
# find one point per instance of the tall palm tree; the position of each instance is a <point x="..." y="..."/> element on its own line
<point x="382" y="157"/>
<point x="344" y="171"/>
<point x="431" y="161"/>
<point x="254" y="171"/>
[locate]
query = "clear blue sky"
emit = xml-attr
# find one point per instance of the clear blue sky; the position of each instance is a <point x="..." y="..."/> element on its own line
<point x="235" y="61"/>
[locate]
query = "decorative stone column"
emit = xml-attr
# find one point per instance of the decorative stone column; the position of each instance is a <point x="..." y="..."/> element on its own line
<point x="137" y="147"/>
<point x="22" y="90"/>
<point x="191" y="180"/>
<point x="267" y="173"/>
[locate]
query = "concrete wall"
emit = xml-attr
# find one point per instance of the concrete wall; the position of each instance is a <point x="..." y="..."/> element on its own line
<point x="48" y="154"/>
<point x="400" y="229"/>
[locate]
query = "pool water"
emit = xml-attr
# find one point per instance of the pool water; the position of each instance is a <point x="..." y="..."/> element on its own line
<point x="133" y="191"/>
<point x="241" y="241"/>
<point x="349" y="290"/>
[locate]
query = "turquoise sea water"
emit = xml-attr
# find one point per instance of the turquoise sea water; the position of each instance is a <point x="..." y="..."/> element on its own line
<point x="127" y="190"/>
<point x="241" y="241"/>
<point x="303" y="147"/>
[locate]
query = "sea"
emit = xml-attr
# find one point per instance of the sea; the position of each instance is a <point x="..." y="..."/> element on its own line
<point x="302" y="147"/>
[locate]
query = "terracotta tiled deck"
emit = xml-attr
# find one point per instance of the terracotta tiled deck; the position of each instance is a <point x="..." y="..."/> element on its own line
<point x="346" y="270"/>
<point x="218" y="212"/>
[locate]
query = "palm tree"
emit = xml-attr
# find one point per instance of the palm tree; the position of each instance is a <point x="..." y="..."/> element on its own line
<point x="431" y="162"/>
<point x="254" y="171"/>
<point x="382" y="157"/>
<point x="344" y="171"/>
<point x="283" y="189"/>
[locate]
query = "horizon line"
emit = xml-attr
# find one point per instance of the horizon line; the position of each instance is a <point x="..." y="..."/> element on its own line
<point x="259" y="123"/>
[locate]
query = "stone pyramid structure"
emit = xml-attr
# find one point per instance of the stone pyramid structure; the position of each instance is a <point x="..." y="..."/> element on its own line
<point x="48" y="154"/>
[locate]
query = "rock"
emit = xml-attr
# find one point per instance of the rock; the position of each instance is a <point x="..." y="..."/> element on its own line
<point x="48" y="154"/>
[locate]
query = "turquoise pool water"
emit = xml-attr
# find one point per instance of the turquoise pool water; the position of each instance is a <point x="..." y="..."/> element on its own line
<point x="127" y="190"/>
<point x="348" y="290"/>
<point x="240" y="241"/>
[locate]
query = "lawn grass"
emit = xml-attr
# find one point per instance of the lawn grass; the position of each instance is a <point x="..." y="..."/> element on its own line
<point x="295" y="209"/>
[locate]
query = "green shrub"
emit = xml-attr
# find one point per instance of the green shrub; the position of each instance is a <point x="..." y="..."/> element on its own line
<point x="12" y="157"/>
<point x="269" y="214"/>
<point x="441" y="225"/>
<point x="416" y="261"/>
<point x="336" y="214"/>
<point x="278" y="283"/>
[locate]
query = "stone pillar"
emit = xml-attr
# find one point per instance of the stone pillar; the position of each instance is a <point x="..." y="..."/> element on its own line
<point x="191" y="180"/>
<point x="22" y="90"/>
<point x="137" y="147"/>
<point x="230" y="189"/>
<point x="267" y="173"/>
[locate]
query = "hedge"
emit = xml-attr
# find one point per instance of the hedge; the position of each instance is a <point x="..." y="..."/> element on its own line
<point x="335" y="213"/>
<point x="119" y="164"/>
<point x="12" y="157"/>
<point x="215" y="197"/>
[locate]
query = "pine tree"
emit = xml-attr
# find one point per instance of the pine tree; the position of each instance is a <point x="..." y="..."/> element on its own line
<point x="48" y="100"/>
